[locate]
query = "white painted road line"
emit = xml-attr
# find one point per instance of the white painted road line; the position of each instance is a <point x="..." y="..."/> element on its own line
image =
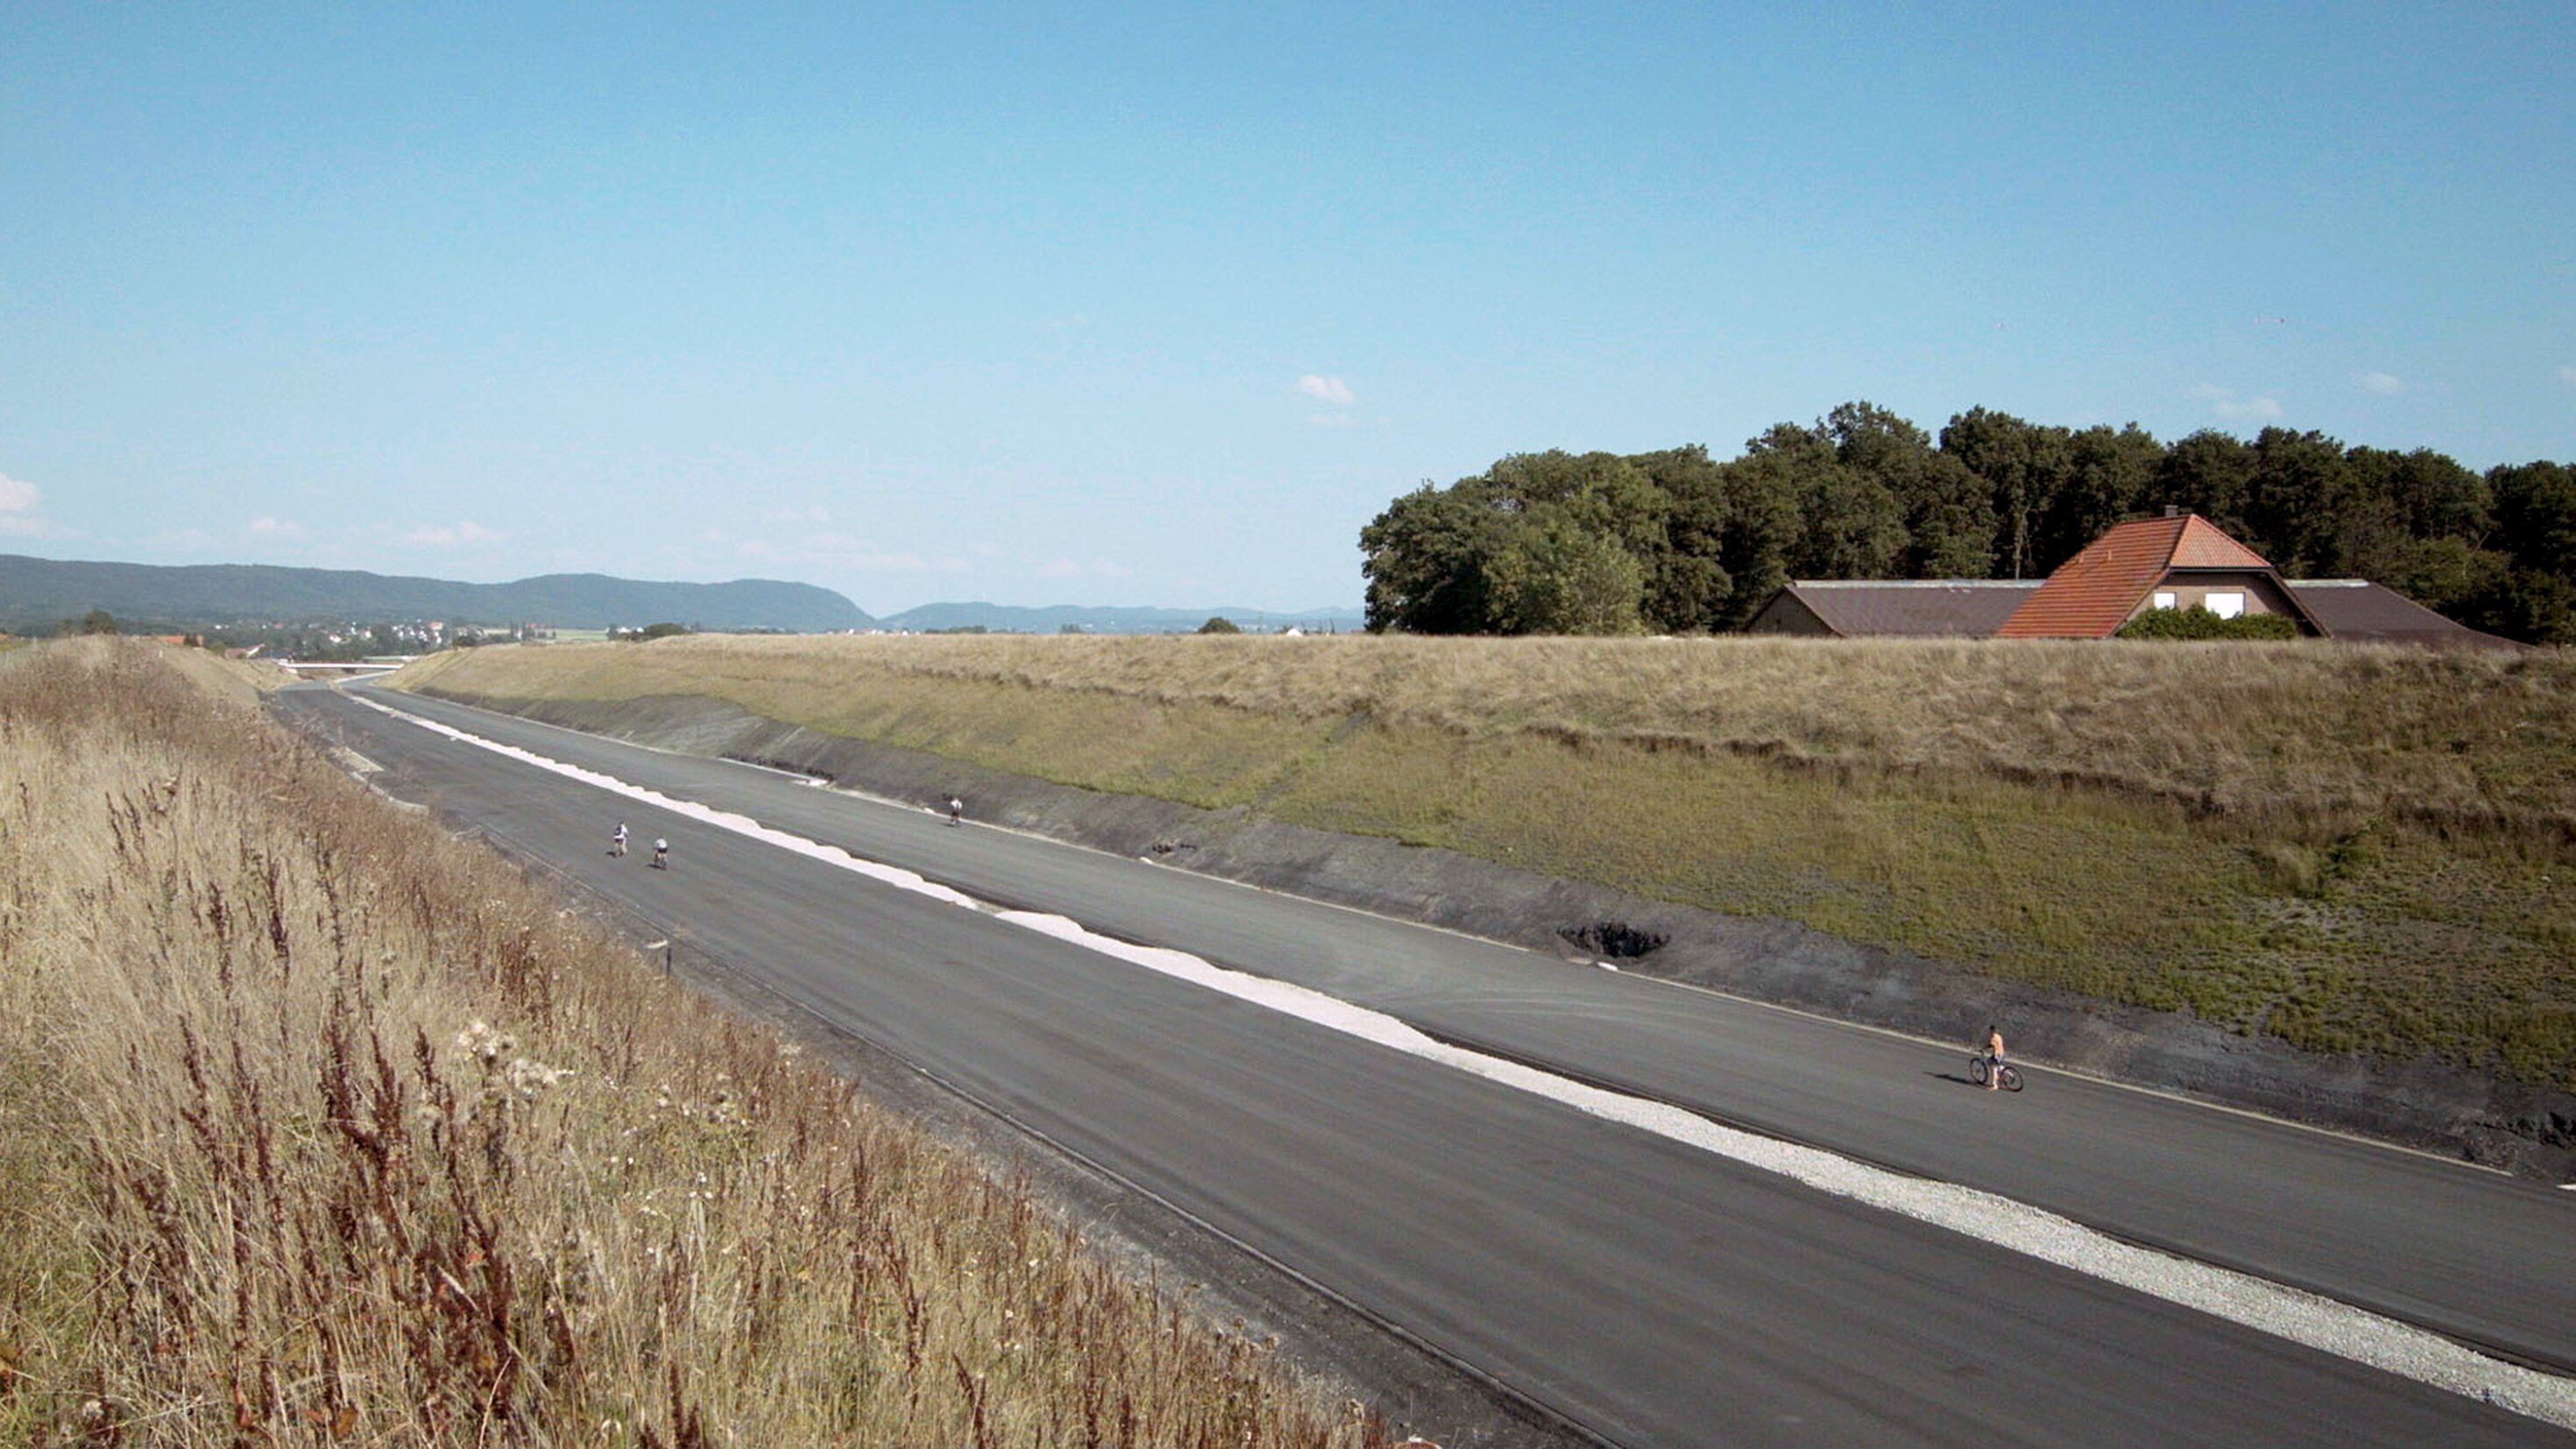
<point x="2309" y="1319"/>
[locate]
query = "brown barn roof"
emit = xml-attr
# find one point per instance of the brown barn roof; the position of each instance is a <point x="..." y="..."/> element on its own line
<point x="2092" y="594"/>
<point x="1919" y="608"/>
<point x="2359" y="611"/>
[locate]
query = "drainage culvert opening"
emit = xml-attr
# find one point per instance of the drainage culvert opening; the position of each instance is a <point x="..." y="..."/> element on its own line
<point x="1615" y="939"/>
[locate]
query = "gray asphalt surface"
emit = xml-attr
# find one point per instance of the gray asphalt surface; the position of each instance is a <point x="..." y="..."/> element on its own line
<point x="1652" y="1293"/>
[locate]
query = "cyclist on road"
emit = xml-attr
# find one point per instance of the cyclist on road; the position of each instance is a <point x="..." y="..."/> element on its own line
<point x="617" y="839"/>
<point x="661" y="854"/>
<point x="956" y="810"/>
<point x="1994" y="1057"/>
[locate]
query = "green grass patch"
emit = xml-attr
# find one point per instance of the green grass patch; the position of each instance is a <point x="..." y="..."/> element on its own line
<point x="2404" y="896"/>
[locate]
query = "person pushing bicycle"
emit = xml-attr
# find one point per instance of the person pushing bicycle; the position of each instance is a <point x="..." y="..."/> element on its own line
<point x="1994" y="1057"/>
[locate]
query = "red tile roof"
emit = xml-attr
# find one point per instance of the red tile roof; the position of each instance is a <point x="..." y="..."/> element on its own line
<point x="2092" y="594"/>
<point x="2203" y="546"/>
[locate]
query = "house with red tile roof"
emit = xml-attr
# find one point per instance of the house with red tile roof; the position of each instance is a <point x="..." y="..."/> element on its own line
<point x="2179" y="561"/>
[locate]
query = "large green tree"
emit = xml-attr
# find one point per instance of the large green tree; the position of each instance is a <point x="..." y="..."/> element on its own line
<point x="2530" y="590"/>
<point x="1549" y="542"/>
<point x="1558" y="576"/>
<point x="1948" y="518"/>
<point x="1603" y="493"/>
<point x="2535" y="516"/>
<point x="1763" y="528"/>
<point x="2021" y="465"/>
<point x="1849" y="525"/>
<point x="1425" y="556"/>
<point x="2411" y="521"/>
<point x="2210" y="473"/>
<point x="1687" y="585"/>
<point x="2108" y="477"/>
<point x="2297" y="500"/>
<point x="1679" y="542"/>
<point x="2429" y="493"/>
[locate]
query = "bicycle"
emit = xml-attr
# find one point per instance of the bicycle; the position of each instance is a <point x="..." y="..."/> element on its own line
<point x="2007" y="1076"/>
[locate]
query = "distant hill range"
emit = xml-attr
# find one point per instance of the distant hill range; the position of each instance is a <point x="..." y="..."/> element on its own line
<point x="36" y="594"/>
<point x="1014" y="619"/>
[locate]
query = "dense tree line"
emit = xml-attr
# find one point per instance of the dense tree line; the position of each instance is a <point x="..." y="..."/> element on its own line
<point x="1679" y="542"/>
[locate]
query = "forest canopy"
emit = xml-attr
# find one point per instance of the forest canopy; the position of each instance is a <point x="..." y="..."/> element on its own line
<point x="1678" y="542"/>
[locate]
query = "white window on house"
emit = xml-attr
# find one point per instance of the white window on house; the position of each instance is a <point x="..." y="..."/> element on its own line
<point x="2226" y="605"/>
<point x="2164" y="598"/>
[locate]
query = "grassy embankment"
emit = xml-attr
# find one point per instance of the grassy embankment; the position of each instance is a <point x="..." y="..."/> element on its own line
<point x="317" y="1126"/>
<point x="2350" y="849"/>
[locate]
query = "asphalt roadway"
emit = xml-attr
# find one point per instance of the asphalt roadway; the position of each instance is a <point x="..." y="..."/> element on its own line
<point x="1646" y="1291"/>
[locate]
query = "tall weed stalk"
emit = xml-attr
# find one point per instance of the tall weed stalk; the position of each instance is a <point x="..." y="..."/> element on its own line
<point x="319" y="1127"/>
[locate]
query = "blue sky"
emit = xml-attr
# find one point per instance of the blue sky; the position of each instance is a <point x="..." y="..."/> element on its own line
<point x="1147" y="305"/>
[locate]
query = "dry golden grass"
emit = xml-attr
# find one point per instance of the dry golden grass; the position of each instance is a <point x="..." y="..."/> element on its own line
<point x="317" y="1126"/>
<point x="239" y="681"/>
<point x="2352" y="849"/>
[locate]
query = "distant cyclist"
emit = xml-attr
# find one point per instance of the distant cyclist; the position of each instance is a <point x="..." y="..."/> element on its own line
<point x="617" y="839"/>
<point x="661" y="854"/>
<point x="1994" y="1057"/>
<point x="956" y="810"/>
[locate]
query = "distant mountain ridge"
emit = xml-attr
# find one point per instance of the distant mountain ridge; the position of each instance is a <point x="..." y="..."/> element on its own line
<point x="1019" y="619"/>
<point x="37" y="593"/>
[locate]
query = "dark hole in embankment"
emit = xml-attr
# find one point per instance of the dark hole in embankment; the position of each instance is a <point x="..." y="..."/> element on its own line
<point x="1615" y="939"/>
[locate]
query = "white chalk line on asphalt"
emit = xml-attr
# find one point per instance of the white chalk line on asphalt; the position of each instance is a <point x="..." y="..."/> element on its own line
<point x="2312" y="1320"/>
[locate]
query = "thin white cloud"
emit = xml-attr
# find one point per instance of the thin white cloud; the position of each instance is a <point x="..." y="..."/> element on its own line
<point x="1326" y="389"/>
<point x="2381" y="383"/>
<point x="1059" y="568"/>
<point x="2567" y="375"/>
<point x="1331" y="420"/>
<point x="22" y="510"/>
<point x="816" y="514"/>
<point x="2227" y="404"/>
<point x="443" y="535"/>
<point x="266" y="527"/>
